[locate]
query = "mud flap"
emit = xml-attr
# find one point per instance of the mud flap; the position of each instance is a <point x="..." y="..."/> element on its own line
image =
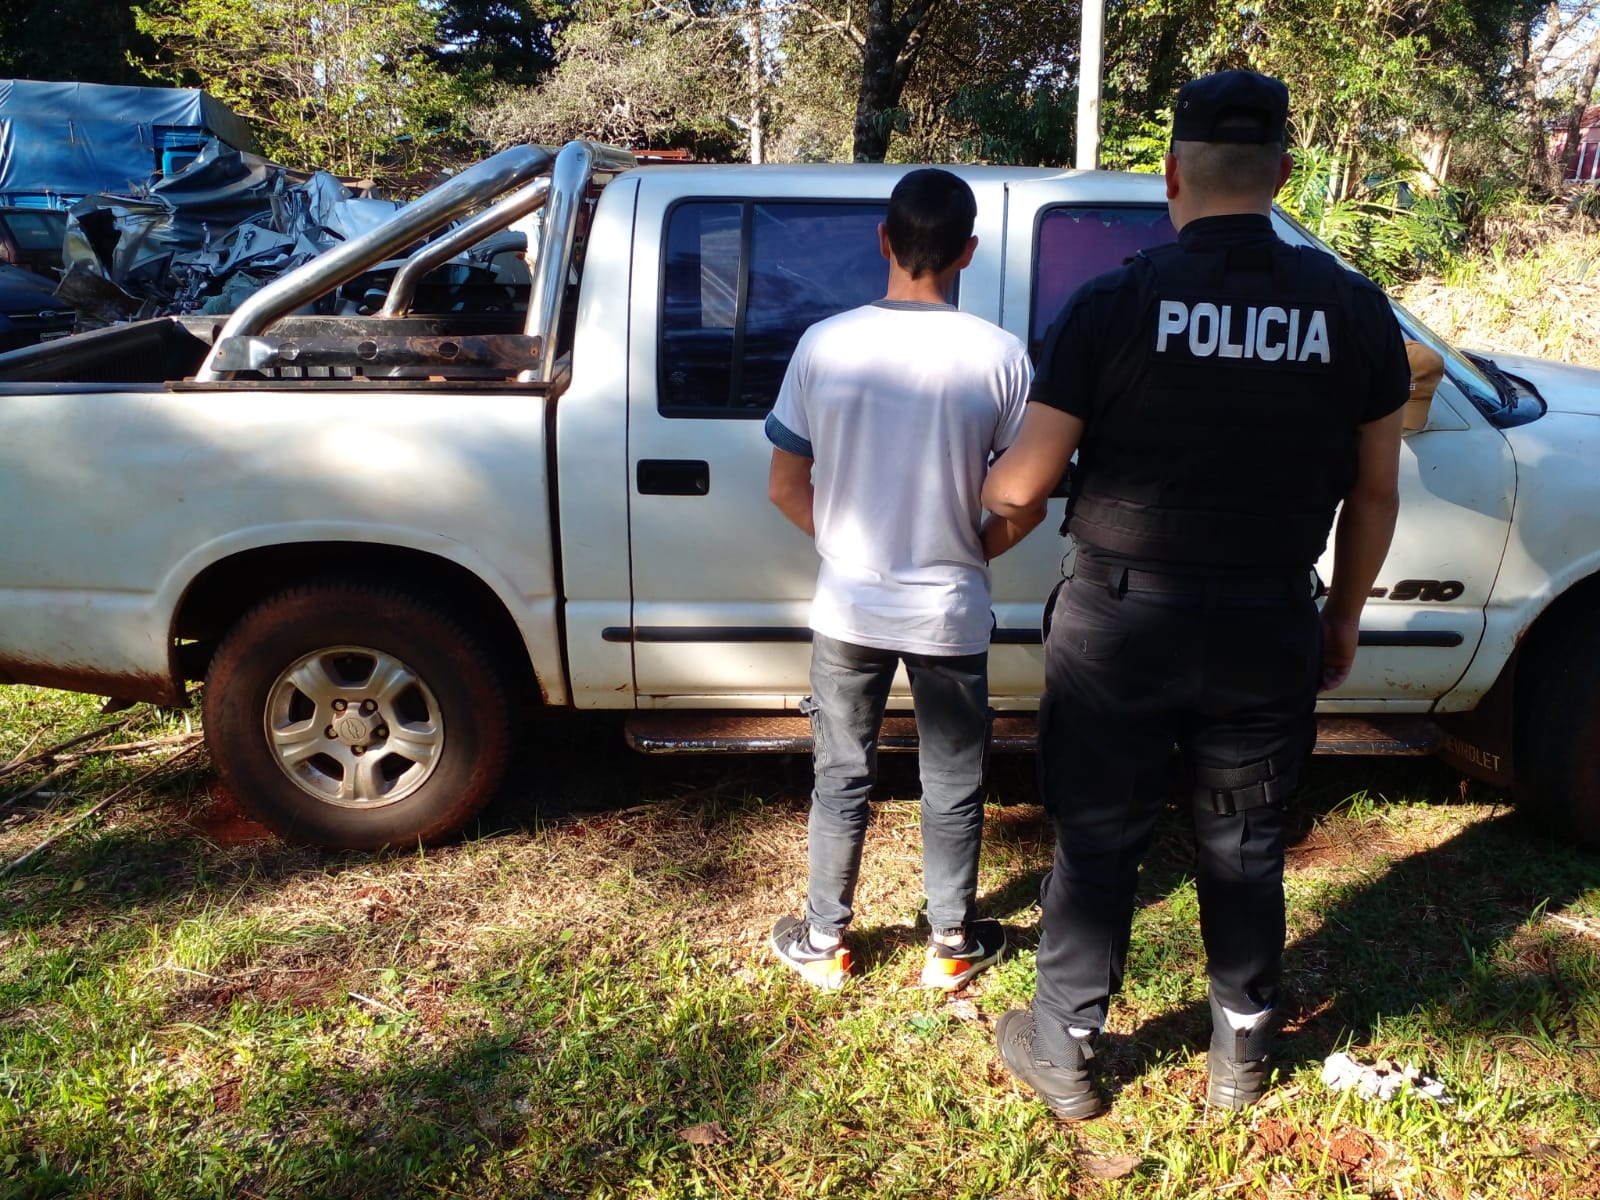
<point x="1481" y="743"/>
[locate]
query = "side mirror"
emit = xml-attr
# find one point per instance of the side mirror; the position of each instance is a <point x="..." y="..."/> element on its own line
<point x="1427" y="368"/>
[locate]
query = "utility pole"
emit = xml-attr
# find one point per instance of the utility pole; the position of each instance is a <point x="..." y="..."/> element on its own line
<point x="1091" y="47"/>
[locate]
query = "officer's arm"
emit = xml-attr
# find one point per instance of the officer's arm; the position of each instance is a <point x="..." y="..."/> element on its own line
<point x="789" y="487"/>
<point x="1021" y="480"/>
<point x="1361" y="542"/>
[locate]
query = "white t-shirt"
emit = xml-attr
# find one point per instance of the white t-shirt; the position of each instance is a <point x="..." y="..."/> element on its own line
<point x="900" y="405"/>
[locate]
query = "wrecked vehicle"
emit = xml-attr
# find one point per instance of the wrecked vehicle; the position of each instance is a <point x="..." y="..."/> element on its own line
<point x="204" y="238"/>
<point x="380" y="538"/>
<point x="29" y="310"/>
<point x="31" y="238"/>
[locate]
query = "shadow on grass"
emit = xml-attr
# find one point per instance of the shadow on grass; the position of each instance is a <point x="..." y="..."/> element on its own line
<point x="154" y="854"/>
<point x="1418" y="931"/>
<point x="182" y="840"/>
<point x="1414" y="933"/>
<point x="550" y="1065"/>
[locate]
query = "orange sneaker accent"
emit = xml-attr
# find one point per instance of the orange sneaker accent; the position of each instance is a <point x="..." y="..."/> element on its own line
<point x="947" y="969"/>
<point x="822" y="968"/>
<point x="828" y="972"/>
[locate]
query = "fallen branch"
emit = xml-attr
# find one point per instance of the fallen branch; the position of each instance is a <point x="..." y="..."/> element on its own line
<point x="65" y="762"/>
<point x="23" y="753"/>
<point x="54" y="752"/>
<point x="182" y="970"/>
<point x="60" y="770"/>
<point x="102" y="806"/>
<point x="379" y="1004"/>
<point x="172" y="739"/>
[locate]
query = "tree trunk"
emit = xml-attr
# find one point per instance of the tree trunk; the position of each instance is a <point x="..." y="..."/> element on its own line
<point x="1433" y="148"/>
<point x="1541" y="170"/>
<point x="758" y="115"/>
<point x="889" y="51"/>
<point x="878" y="93"/>
<point x="1580" y="105"/>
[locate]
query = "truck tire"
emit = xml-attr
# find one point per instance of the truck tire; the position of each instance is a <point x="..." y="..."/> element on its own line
<point x="356" y="716"/>
<point x="1558" y="734"/>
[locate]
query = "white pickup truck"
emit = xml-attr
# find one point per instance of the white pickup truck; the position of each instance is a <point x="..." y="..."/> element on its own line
<point x="378" y="538"/>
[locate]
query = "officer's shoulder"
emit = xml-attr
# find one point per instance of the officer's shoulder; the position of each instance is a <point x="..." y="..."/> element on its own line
<point x="1155" y="253"/>
<point x="1316" y="259"/>
<point x="1108" y="283"/>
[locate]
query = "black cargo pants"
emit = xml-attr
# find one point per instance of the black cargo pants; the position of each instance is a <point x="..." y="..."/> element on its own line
<point x="1226" y="670"/>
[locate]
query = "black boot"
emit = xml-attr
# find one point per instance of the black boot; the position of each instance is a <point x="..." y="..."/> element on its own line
<point x="1055" y="1067"/>
<point x="1238" y="1059"/>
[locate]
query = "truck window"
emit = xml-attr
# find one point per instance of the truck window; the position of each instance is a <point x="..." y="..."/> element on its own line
<point x="742" y="281"/>
<point x="1076" y="243"/>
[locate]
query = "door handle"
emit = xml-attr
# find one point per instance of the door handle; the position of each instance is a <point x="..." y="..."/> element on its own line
<point x="673" y="477"/>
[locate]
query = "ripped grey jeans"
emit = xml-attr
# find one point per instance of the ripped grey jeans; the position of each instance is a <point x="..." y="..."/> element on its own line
<point x="950" y="696"/>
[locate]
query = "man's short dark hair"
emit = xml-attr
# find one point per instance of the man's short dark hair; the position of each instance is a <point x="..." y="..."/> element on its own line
<point x="931" y="213"/>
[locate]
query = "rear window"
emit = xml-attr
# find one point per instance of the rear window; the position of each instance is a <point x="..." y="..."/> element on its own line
<point x="1076" y="243"/>
<point x="742" y="281"/>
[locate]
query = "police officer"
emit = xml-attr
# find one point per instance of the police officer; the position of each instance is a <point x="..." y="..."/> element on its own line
<point x="1224" y="394"/>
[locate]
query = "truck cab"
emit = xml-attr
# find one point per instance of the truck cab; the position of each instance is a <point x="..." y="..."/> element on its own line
<point x="728" y="269"/>
<point x="377" y="536"/>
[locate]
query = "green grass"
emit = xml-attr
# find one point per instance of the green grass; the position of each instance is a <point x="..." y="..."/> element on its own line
<point x="546" y="1008"/>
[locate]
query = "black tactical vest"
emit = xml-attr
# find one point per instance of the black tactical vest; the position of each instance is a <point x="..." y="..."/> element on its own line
<point x="1224" y="428"/>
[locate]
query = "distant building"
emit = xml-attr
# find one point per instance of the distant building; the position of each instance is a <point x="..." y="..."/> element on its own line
<point x="60" y="142"/>
<point x="1586" y="166"/>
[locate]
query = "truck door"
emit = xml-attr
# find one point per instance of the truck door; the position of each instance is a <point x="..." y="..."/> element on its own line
<point x="723" y="286"/>
<point x="722" y="583"/>
<point x="1457" y="479"/>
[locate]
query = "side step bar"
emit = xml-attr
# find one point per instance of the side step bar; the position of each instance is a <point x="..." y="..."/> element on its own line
<point x="698" y="733"/>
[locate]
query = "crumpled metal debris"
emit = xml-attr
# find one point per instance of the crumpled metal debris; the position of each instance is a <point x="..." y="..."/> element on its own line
<point x="1382" y="1080"/>
<point x="202" y="239"/>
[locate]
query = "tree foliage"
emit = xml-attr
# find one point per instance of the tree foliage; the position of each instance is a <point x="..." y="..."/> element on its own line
<point x="506" y="41"/>
<point x="945" y="80"/>
<point x="634" y="74"/>
<point x="344" y="85"/>
<point x="1394" y="102"/>
<point x="1391" y="232"/>
<point x="86" y="41"/>
<point x="1555" y="59"/>
<point x="1376" y="77"/>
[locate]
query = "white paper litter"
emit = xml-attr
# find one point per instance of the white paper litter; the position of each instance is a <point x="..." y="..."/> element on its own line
<point x="1382" y="1080"/>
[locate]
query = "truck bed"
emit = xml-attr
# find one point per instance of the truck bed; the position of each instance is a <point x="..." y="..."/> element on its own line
<point x="451" y="347"/>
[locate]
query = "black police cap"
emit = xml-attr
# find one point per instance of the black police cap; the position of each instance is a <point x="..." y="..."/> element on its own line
<point x="1231" y="106"/>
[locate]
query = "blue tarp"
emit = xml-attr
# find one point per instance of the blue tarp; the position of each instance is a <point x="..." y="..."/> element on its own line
<point x="60" y="142"/>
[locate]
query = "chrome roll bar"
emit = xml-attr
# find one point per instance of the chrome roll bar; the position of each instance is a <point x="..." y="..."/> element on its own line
<point x="575" y="166"/>
<point x="475" y="186"/>
<point x="518" y="204"/>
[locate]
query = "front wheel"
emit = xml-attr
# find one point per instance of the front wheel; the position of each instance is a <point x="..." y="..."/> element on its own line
<point x="356" y="716"/>
<point x="1558" y="734"/>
